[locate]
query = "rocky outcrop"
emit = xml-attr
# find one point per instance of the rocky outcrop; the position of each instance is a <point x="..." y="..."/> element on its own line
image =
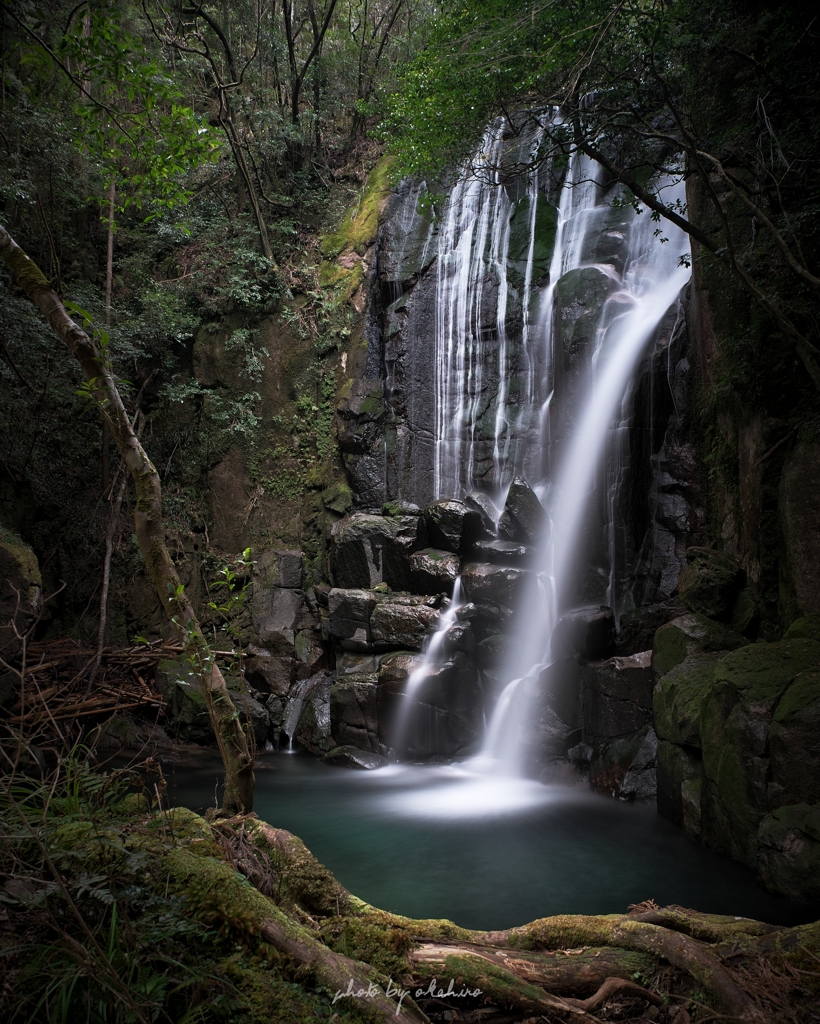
<point x="454" y="526"/>
<point x="617" y="696"/>
<point x="433" y="571"/>
<point x="739" y="756"/>
<point x="446" y="711"/>
<point x="618" y="748"/>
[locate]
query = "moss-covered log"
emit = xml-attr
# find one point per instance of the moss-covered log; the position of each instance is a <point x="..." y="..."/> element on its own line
<point x="233" y="745"/>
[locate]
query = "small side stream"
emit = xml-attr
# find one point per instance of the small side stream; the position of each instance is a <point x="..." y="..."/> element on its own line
<point x="442" y="842"/>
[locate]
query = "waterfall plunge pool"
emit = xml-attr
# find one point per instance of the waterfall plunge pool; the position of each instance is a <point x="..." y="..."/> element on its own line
<point x="487" y="852"/>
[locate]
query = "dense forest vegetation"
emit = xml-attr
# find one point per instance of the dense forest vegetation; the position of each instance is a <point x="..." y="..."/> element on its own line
<point x="200" y="185"/>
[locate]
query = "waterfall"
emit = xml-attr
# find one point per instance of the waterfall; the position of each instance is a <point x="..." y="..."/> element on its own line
<point x="482" y="431"/>
<point x="549" y="288"/>
<point x="639" y="297"/>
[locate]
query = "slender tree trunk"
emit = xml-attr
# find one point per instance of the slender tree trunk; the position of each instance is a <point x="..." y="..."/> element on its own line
<point x="233" y="744"/>
<point x="109" y="289"/>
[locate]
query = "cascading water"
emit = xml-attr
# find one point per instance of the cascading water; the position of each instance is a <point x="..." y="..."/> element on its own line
<point x="485" y="432"/>
<point x="533" y="376"/>
<point x="639" y="298"/>
<point x="420" y="675"/>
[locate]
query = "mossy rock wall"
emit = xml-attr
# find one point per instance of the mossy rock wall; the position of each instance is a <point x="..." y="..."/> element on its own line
<point x="739" y="752"/>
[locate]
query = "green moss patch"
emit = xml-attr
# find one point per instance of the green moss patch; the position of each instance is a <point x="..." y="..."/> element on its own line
<point x="760" y="673"/>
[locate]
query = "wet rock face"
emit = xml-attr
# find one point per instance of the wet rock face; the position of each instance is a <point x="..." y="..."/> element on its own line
<point x="637" y="628"/>
<point x="361" y="433"/>
<point x="789" y="851"/>
<point x="625" y="766"/>
<point x="446" y="716"/>
<point x="353" y="757"/>
<point x="691" y="634"/>
<point x="368" y="549"/>
<point x="313" y="729"/>
<point x="504" y="552"/>
<point x="275" y="614"/>
<point x="794" y="743"/>
<point x="739" y="754"/>
<point x="396" y="624"/>
<point x="711" y="583"/>
<point x="617" y="696"/>
<point x="280" y="569"/>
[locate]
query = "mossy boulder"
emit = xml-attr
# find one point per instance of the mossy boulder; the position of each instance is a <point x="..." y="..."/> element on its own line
<point x="691" y="634"/>
<point x="806" y="628"/>
<point x="679" y="697"/>
<point x="735" y="723"/>
<point x="710" y="583"/>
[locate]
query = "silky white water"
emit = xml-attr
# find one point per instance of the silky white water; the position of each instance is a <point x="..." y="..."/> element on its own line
<point x="639" y="284"/>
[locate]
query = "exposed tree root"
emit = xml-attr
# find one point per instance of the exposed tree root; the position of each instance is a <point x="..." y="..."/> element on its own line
<point x="568" y="968"/>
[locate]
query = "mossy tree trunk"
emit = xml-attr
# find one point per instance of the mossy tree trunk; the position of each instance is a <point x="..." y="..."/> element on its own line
<point x="233" y="744"/>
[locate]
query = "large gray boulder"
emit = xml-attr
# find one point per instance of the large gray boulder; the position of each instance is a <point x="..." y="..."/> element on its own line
<point x="279" y="569"/>
<point x="481" y="503"/>
<point x="453" y="525"/>
<point x="313" y="730"/>
<point x="364" y="620"/>
<point x="368" y="549"/>
<point x="433" y="571"/>
<point x="523" y="518"/>
<point x="402" y="622"/>
<point x="586" y="632"/>
<point x="497" y="584"/>
<point x="270" y="674"/>
<point x="350" y="611"/>
<point x="354" y="712"/>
